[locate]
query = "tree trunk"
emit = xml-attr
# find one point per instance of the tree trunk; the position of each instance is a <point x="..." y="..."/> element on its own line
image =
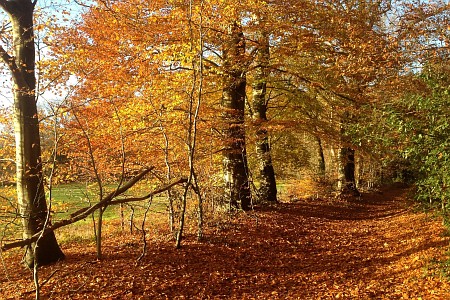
<point x="268" y="186"/>
<point x="347" y="183"/>
<point x="30" y="186"/>
<point x="98" y="236"/>
<point x="237" y="188"/>
<point x="321" y="157"/>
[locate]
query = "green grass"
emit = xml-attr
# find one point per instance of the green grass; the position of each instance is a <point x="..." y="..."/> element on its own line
<point x="69" y="198"/>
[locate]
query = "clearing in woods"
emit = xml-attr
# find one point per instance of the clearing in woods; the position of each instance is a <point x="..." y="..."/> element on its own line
<point x="374" y="248"/>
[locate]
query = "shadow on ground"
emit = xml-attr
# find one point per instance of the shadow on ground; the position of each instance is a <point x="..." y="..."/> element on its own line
<point x="305" y="250"/>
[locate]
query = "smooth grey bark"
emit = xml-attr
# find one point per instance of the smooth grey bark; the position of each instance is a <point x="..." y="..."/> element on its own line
<point x="30" y="187"/>
<point x="237" y="188"/>
<point x="268" y="186"/>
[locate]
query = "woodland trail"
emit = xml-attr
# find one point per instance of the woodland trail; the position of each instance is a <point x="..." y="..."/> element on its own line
<point x="373" y="248"/>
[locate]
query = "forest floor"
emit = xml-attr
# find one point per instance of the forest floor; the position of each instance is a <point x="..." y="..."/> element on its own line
<point x="377" y="247"/>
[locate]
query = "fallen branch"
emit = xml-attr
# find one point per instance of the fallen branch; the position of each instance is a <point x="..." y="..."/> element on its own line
<point x="149" y="195"/>
<point x="85" y="212"/>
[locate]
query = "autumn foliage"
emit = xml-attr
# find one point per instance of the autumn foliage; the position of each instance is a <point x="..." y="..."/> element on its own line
<point x="214" y="95"/>
<point x="306" y="249"/>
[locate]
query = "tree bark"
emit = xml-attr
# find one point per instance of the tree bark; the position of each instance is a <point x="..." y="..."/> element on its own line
<point x="237" y="188"/>
<point x="30" y="185"/>
<point x="268" y="186"/>
<point x="321" y="157"/>
<point x="347" y="183"/>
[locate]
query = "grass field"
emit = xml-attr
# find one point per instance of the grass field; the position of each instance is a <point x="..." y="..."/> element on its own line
<point x="68" y="198"/>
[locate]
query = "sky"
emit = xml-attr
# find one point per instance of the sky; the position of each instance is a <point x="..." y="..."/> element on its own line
<point x="49" y="7"/>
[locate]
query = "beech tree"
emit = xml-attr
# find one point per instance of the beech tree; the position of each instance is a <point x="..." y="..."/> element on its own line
<point x="30" y="184"/>
<point x="346" y="177"/>
<point x="237" y="188"/>
<point x="268" y="186"/>
<point x="328" y="52"/>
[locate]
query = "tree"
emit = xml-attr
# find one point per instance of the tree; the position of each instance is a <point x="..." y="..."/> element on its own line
<point x="268" y="186"/>
<point x="346" y="176"/>
<point x="152" y="84"/>
<point x="330" y="53"/>
<point x="30" y="182"/>
<point x="237" y="188"/>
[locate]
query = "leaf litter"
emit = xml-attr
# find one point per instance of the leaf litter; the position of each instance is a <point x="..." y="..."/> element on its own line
<point x="370" y="248"/>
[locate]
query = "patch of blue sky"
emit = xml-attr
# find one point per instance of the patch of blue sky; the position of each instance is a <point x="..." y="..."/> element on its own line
<point x="62" y="11"/>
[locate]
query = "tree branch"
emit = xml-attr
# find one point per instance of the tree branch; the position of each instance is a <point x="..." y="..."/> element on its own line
<point x="149" y="195"/>
<point x="211" y="62"/>
<point x="12" y="66"/>
<point x="7" y="160"/>
<point x="5" y="5"/>
<point x="85" y="212"/>
<point x="8" y="59"/>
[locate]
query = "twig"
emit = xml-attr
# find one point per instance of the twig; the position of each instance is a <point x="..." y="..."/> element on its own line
<point x="144" y="233"/>
<point x="43" y="283"/>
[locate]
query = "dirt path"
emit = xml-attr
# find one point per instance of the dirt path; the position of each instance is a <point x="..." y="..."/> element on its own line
<point x="375" y="248"/>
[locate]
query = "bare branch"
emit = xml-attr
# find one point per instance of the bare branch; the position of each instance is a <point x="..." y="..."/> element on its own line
<point x="5" y="5"/>
<point x="12" y="66"/>
<point x="82" y="4"/>
<point x="7" y="160"/>
<point x="211" y="62"/>
<point x="8" y="59"/>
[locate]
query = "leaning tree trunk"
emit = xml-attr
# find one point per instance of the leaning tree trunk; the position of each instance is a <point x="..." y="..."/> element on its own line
<point x="237" y="188"/>
<point x="268" y="186"/>
<point x="30" y="186"/>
